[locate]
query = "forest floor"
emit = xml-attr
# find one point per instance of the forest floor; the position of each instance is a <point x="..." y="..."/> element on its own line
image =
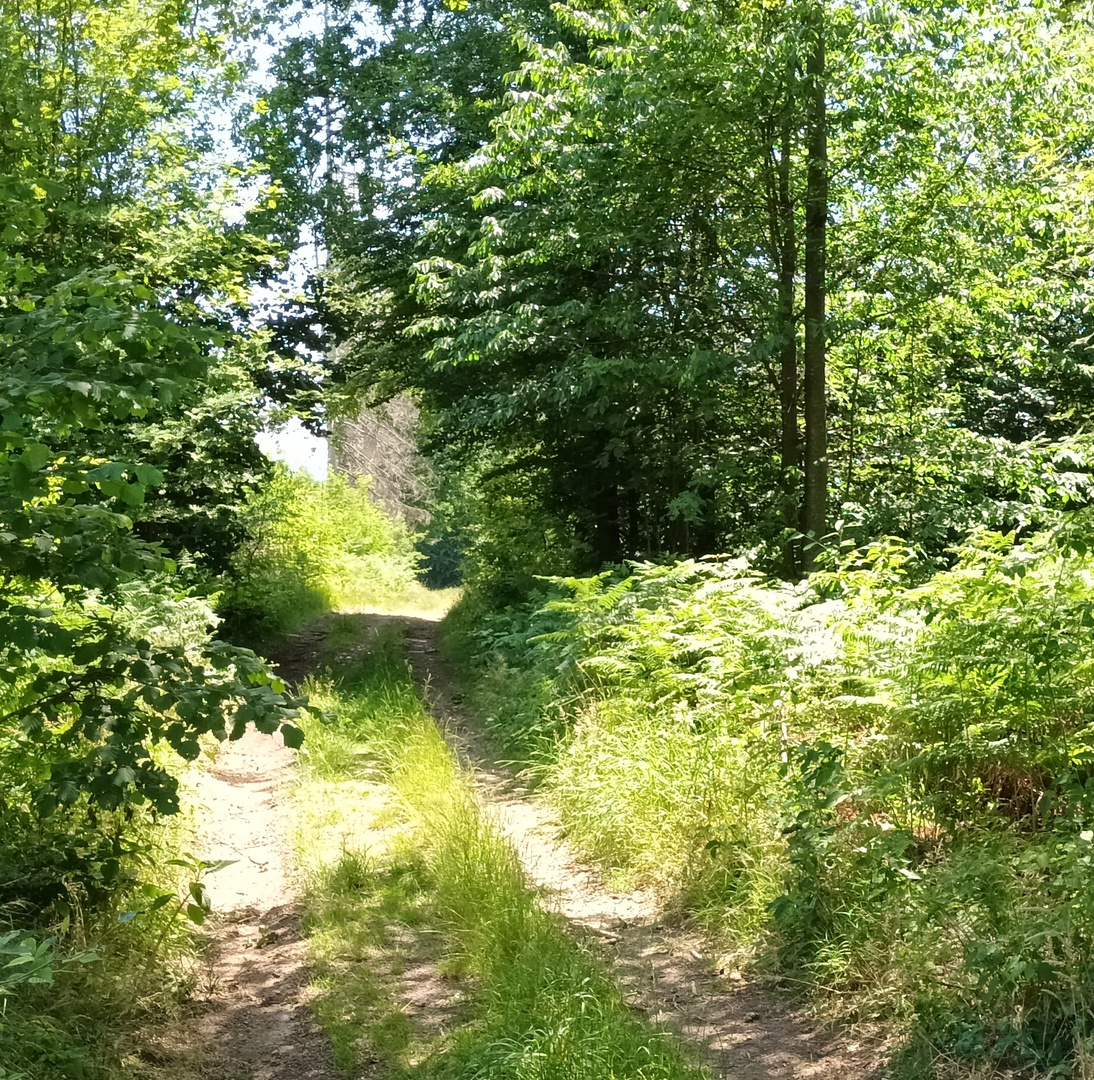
<point x="252" y="1014"/>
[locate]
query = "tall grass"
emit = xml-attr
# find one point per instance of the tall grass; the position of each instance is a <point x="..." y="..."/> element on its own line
<point x="538" y="1006"/>
<point x="881" y="788"/>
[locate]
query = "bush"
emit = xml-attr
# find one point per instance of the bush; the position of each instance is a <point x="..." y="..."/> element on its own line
<point x="312" y="546"/>
<point x="96" y="940"/>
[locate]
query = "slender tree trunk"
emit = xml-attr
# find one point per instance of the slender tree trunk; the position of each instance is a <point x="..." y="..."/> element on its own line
<point x="790" y="441"/>
<point x="634" y="534"/>
<point x="852" y="421"/>
<point x="788" y="262"/>
<point x="815" y="490"/>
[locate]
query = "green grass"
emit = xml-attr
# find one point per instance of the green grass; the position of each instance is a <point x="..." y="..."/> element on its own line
<point x="313" y="547"/>
<point x="120" y="963"/>
<point x="676" y="806"/>
<point x="430" y="879"/>
<point x="397" y="592"/>
<point x="887" y="798"/>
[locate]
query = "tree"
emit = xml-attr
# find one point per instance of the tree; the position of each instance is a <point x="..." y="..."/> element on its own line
<point x="612" y="290"/>
<point x="815" y="390"/>
<point x="119" y="295"/>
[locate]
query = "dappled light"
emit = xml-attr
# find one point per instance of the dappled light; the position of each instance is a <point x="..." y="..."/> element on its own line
<point x="683" y="668"/>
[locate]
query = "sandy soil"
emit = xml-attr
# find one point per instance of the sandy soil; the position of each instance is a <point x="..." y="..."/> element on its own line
<point x="258" y="1013"/>
<point x="742" y="1029"/>
<point x="250" y="1018"/>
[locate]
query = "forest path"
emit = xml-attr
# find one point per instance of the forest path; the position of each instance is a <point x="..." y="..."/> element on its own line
<point x="251" y="1016"/>
<point x="740" y="1029"/>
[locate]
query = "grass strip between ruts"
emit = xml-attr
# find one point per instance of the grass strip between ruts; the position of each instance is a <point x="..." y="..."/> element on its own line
<point x="406" y="871"/>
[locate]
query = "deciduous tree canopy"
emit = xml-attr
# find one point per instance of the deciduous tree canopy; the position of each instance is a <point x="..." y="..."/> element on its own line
<point x="585" y="238"/>
<point x="128" y="410"/>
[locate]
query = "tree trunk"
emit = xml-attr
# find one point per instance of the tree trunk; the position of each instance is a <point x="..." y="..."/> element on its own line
<point x="788" y="263"/>
<point x="606" y="534"/>
<point x="790" y="448"/>
<point x="815" y="490"/>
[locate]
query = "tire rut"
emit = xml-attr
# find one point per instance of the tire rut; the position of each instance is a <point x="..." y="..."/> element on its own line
<point x="739" y="1028"/>
<point x="250" y="1017"/>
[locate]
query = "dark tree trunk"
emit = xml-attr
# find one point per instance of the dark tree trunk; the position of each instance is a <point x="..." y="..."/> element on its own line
<point x="606" y="533"/>
<point x="634" y="529"/>
<point x="790" y="448"/>
<point x="815" y="490"/>
<point x="788" y="365"/>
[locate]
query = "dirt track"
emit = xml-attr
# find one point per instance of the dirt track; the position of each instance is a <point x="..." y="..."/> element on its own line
<point x="742" y="1030"/>
<point x="252" y="1016"/>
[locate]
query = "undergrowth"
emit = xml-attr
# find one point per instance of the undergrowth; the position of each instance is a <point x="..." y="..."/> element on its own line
<point x="315" y="546"/>
<point x="429" y="882"/>
<point x="96" y="939"/>
<point x="97" y="906"/>
<point x="879" y="783"/>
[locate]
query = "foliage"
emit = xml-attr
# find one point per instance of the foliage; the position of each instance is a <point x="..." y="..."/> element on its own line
<point x="119" y="291"/>
<point x="106" y="943"/>
<point x="570" y="242"/>
<point x="878" y="783"/>
<point x="577" y="242"/>
<point x="29" y="961"/>
<point x="128" y="407"/>
<point x="310" y="546"/>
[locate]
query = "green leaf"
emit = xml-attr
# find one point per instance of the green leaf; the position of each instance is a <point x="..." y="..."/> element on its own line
<point x="35" y="456"/>
<point x="293" y="736"/>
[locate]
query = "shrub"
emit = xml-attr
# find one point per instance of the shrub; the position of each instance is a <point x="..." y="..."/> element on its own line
<point x="313" y="545"/>
<point x="885" y="788"/>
